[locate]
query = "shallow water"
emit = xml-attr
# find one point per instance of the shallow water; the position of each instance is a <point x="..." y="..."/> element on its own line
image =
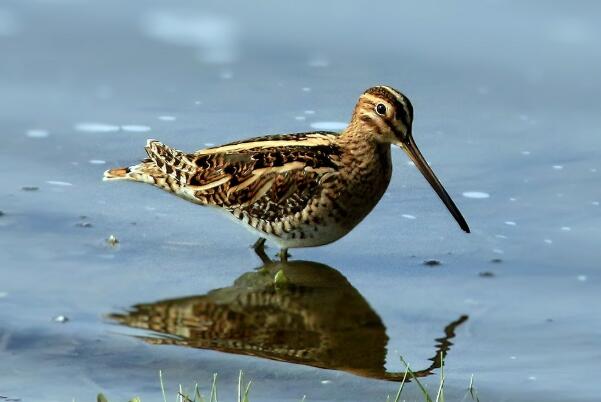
<point x="506" y="113"/>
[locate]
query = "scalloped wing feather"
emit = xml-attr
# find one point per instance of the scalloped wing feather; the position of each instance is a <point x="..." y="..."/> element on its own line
<point x="266" y="176"/>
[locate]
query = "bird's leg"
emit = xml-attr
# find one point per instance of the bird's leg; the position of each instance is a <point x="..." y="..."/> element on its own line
<point x="259" y="248"/>
<point x="283" y="254"/>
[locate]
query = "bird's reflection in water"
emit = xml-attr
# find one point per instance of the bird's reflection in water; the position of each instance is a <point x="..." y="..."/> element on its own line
<point x="318" y="319"/>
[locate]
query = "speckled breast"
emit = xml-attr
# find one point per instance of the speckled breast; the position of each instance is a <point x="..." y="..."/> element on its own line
<point x="345" y="199"/>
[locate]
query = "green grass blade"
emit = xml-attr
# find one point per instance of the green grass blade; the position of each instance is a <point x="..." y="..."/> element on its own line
<point x="240" y="386"/>
<point x="419" y="384"/>
<point x="181" y="396"/>
<point x="197" y="395"/>
<point x="398" y="394"/>
<point x="213" y="397"/>
<point x="472" y="390"/>
<point x="440" y="393"/>
<point x="246" y="392"/>
<point x="162" y="385"/>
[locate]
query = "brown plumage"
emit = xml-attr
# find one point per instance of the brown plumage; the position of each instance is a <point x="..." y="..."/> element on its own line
<point x="299" y="190"/>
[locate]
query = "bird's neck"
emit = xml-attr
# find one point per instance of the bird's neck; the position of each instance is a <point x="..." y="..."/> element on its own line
<point x="366" y="167"/>
<point x="363" y="150"/>
<point x="361" y="139"/>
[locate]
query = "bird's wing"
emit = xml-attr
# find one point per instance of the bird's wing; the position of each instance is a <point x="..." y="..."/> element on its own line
<point x="265" y="176"/>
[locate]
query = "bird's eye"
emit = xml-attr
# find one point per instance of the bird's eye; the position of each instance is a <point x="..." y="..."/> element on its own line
<point x="381" y="109"/>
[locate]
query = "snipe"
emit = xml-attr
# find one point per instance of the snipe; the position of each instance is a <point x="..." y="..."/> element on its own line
<point x="298" y="190"/>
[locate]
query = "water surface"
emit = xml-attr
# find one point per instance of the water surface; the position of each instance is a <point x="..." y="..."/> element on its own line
<point x="506" y="104"/>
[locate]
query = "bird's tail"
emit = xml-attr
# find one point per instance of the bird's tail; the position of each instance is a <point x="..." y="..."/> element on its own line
<point x="166" y="168"/>
<point x="146" y="172"/>
<point x="120" y="173"/>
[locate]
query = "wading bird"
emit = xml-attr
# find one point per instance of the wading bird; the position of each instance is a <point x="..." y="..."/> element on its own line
<point x="298" y="190"/>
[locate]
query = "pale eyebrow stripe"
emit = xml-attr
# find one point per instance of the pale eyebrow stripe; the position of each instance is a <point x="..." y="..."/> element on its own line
<point x="375" y="100"/>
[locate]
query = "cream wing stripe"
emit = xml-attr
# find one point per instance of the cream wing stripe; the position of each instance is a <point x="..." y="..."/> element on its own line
<point x="256" y="174"/>
<point x="310" y="141"/>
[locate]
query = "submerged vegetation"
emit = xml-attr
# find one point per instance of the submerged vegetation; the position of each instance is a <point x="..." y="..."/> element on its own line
<point x="244" y="387"/>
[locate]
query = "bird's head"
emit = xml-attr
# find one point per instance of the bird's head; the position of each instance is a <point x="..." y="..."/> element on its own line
<point x="387" y="114"/>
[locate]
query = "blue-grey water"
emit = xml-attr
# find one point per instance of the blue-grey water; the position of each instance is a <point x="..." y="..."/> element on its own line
<point x="506" y="98"/>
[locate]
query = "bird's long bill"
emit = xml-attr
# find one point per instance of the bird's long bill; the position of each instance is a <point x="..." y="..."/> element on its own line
<point x="416" y="156"/>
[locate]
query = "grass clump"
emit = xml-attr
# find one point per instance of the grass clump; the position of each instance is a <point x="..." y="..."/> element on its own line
<point x="243" y="390"/>
<point x="196" y="395"/>
<point x="424" y="392"/>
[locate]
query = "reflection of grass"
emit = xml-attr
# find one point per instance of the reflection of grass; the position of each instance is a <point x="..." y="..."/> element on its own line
<point x="243" y="390"/>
